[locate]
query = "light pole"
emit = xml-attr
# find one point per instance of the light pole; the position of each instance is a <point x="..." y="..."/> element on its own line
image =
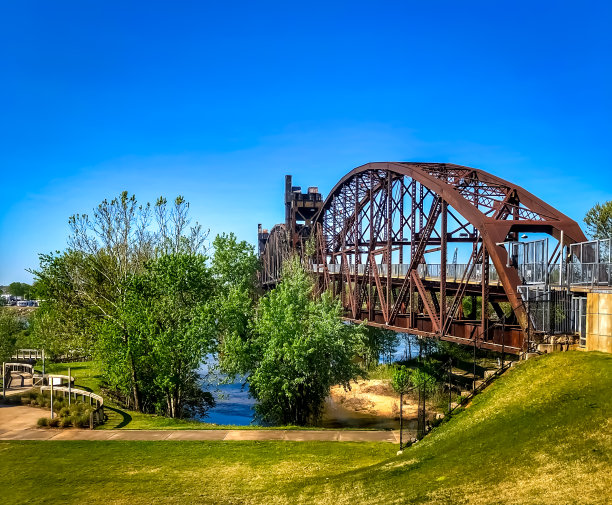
<point x="51" y="398"/>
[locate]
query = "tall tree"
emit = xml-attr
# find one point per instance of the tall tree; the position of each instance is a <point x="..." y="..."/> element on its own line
<point x="298" y="349"/>
<point x="106" y="250"/>
<point x="376" y="343"/>
<point x="234" y="269"/>
<point x="401" y="383"/>
<point x="168" y="320"/>
<point x="11" y="325"/>
<point x="19" y="289"/>
<point x="65" y="320"/>
<point x="599" y="220"/>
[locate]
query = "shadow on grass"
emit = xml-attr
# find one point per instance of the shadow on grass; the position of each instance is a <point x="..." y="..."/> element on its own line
<point x="125" y="417"/>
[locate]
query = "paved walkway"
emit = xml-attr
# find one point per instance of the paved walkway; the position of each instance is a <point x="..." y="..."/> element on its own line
<point x="19" y="423"/>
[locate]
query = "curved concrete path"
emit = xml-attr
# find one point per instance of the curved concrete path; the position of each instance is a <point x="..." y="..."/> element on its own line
<point x="19" y="423"/>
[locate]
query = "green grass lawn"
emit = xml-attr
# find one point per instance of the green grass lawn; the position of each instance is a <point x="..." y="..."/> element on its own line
<point x="541" y="434"/>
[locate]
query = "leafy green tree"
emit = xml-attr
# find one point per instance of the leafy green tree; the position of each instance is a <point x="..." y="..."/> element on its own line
<point x="401" y="383"/>
<point x="85" y="286"/>
<point x="234" y="263"/>
<point x="599" y="220"/>
<point x="168" y="322"/>
<point x="299" y="348"/>
<point x="376" y="342"/>
<point x="234" y="269"/>
<point x="11" y="325"/>
<point x="19" y="289"/>
<point x="424" y="380"/>
<point x="65" y="320"/>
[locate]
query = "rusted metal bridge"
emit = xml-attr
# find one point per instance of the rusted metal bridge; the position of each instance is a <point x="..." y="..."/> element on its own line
<point x="380" y="241"/>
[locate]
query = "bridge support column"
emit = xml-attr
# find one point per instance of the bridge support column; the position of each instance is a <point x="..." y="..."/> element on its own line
<point x="443" y="259"/>
<point x="484" y="306"/>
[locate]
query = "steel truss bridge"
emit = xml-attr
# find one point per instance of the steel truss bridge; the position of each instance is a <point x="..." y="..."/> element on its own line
<point x="380" y="241"/>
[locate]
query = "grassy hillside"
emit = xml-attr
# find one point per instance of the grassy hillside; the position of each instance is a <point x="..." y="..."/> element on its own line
<point x="540" y="434"/>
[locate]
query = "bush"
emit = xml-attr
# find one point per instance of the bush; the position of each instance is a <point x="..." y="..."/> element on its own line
<point x="64" y="412"/>
<point x="81" y="421"/>
<point x="43" y="421"/>
<point x="33" y="403"/>
<point x="76" y="409"/>
<point x="54" y="422"/>
<point x="65" y="422"/>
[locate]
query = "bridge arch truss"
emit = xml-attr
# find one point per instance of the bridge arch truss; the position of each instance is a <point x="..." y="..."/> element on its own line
<point x="381" y="224"/>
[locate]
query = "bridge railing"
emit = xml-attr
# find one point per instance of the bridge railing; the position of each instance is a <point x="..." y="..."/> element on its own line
<point x="591" y="263"/>
<point x="19" y="367"/>
<point x="28" y="354"/>
<point x="56" y="379"/>
<point x="10" y="368"/>
<point x="454" y="272"/>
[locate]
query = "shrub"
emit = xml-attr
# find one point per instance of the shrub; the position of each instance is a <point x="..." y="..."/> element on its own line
<point x="64" y="412"/>
<point x="64" y="422"/>
<point x="33" y="403"/>
<point x="43" y="421"/>
<point x="54" y="422"/>
<point x="76" y="409"/>
<point x="81" y="421"/>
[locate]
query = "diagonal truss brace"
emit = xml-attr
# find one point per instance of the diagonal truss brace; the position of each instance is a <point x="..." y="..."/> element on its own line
<point x="425" y="235"/>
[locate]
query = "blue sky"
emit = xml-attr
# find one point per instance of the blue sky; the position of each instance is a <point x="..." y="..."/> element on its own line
<point x="218" y="101"/>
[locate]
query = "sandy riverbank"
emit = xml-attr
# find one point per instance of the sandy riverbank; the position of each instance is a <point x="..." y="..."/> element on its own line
<point x="369" y="403"/>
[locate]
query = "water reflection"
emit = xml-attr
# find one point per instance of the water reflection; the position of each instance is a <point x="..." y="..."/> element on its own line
<point x="233" y="406"/>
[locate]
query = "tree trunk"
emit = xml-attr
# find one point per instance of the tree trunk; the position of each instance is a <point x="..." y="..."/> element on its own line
<point x="135" y="388"/>
<point x="401" y="419"/>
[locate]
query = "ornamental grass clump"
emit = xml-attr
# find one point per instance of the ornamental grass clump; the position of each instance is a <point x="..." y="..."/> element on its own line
<point x="76" y="414"/>
<point x="81" y="421"/>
